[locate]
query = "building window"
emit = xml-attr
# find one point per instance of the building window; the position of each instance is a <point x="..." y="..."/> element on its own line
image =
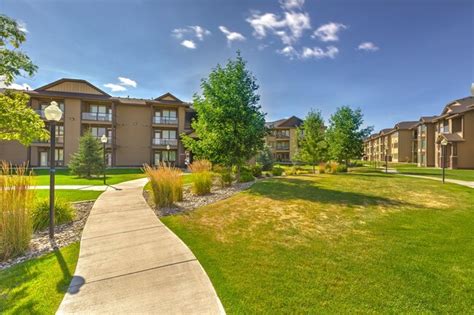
<point x="164" y="156"/>
<point x="98" y="132"/>
<point x="168" y="134"/>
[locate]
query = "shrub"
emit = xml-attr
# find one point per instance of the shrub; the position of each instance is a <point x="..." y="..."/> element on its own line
<point x="341" y="168"/>
<point x="16" y="201"/>
<point x="246" y="177"/>
<point x="256" y="170"/>
<point x="166" y="184"/>
<point x="291" y="171"/>
<point x="277" y="171"/>
<point x="225" y="178"/>
<point x="265" y="158"/>
<point x="331" y="167"/>
<point x="63" y="213"/>
<point x="322" y="168"/>
<point x="88" y="160"/>
<point x="202" y="177"/>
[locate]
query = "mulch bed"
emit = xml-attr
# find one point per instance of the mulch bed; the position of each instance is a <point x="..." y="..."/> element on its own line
<point x="65" y="234"/>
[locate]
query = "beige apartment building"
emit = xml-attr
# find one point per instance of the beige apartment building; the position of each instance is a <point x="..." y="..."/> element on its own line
<point x="139" y="130"/>
<point x="456" y="125"/>
<point x="283" y="138"/>
<point x="420" y="141"/>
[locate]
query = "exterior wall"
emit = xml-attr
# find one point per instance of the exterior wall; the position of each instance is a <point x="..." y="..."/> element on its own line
<point x="405" y="145"/>
<point x="75" y="87"/>
<point x="13" y="152"/>
<point x="72" y="127"/>
<point x="181" y="127"/>
<point x="465" y="150"/>
<point x="133" y="137"/>
<point x="293" y="142"/>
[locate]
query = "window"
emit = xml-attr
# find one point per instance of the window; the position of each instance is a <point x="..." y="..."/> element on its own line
<point x="100" y="131"/>
<point x="169" y="134"/>
<point x="169" y="113"/>
<point x="169" y="156"/>
<point x="98" y="109"/>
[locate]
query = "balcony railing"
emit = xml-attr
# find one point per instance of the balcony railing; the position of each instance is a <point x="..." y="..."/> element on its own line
<point x="282" y="147"/>
<point x="97" y="116"/>
<point x="171" y="142"/>
<point x="281" y="135"/>
<point x="165" y="120"/>
<point x="59" y="140"/>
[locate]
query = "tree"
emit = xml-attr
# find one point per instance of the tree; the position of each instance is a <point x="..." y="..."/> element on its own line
<point x="88" y="160"/>
<point x="312" y="146"/>
<point x="17" y="120"/>
<point x="345" y="135"/>
<point x="13" y="61"/>
<point x="230" y="125"/>
<point x="265" y="158"/>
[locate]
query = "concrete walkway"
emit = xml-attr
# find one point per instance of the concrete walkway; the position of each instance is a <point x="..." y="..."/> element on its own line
<point x="130" y="262"/>
<point x="447" y="180"/>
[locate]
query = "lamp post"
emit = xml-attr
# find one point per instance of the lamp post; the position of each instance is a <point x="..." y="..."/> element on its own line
<point x="104" y="140"/>
<point x="386" y="161"/>
<point x="444" y="144"/>
<point x="53" y="114"/>
<point x="168" y="154"/>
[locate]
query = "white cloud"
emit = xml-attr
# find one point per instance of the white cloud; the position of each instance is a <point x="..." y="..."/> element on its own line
<point x="127" y="82"/>
<point x="291" y="4"/>
<point x="289" y="28"/>
<point x="115" y="87"/>
<point x="319" y="53"/>
<point x="368" y="46"/>
<point x="191" y="31"/>
<point x="22" y="26"/>
<point x="307" y="53"/>
<point x="188" y="44"/>
<point x="231" y="36"/>
<point x="329" y="32"/>
<point x="17" y="86"/>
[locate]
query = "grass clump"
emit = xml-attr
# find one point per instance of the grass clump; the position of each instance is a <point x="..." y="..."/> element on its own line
<point x="166" y="184"/>
<point x="277" y="171"/>
<point x="201" y="177"/>
<point x="16" y="201"/>
<point x="64" y="212"/>
<point x="224" y="176"/>
<point x="246" y="177"/>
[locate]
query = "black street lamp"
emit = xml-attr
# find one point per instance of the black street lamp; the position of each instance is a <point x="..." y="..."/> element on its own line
<point x="53" y="114"/>
<point x="386" y="161"/>
<point x="444" y="145"/>
<point x="104" y="140"/>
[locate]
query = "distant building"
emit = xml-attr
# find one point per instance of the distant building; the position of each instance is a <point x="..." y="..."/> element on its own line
<point x="283" y="138"/>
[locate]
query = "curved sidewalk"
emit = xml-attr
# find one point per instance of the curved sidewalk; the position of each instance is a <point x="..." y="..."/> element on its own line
<point x="130" y="262"/>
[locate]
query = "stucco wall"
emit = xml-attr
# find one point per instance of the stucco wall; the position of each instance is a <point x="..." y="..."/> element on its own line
<point x="13" y="152"/>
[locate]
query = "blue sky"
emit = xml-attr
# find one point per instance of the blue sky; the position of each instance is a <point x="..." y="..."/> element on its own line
<point x="396" y="60"/>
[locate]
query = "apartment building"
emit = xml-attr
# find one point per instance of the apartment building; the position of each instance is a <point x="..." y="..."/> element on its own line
<point x="139" y="130"/>
<point x="456" y="125"/>
<point x="283" y="138"/>
<point x="426" y="129"/>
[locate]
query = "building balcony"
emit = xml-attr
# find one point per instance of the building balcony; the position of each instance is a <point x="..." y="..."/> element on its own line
<point x="164" y="142"/>
<point x="97" y="116"/>
<point x="282" y="148"/>
<point x="281" y="136"/>
<point x="165" y="121"/>
<point x="59" y="140"/>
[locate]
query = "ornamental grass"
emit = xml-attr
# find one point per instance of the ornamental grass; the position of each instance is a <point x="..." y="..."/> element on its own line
<point x="16" y="202"/>
<point x="166" y="184"/>
<point x="201" y="177"/>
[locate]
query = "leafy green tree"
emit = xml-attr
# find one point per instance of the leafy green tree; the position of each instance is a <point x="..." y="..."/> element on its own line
<point x="17" y="120"/>
<point x="230" y="125"/>
<point x="88" y="160"/>
<point x="345" y="134"/>
<point x="13" y="62"/>
<point x="312" y="146"/>
<point x="265" y="158"/>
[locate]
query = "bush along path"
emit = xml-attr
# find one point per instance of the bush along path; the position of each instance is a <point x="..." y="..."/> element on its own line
<point x="130" y="262"/>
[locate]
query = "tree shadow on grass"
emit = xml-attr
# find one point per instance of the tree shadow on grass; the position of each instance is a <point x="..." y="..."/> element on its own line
<point x="299" y="189"/>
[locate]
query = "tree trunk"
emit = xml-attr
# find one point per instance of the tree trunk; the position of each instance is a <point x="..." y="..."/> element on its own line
<point x="314" y="168"/>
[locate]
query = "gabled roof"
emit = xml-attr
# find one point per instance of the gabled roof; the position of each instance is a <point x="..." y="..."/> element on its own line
<point x="64" y="80"/>
<point x="403" y="125"/>
<point x="451" y="137"/>
<point x="168" y="97"/>
<point x="458" y="106"/>
<point x="293" y="121"/>
<point x="386" y="131"/>
<point x="428" y="119"/>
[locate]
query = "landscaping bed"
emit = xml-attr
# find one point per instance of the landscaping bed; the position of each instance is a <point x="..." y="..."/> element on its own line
<point x="65" y="234"/>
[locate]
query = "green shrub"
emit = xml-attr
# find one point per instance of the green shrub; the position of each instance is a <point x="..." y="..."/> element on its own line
<point x="246" y="177"/>
<point x="331" y="167"/>
<point x="341" y="168"/>
<point x="291" y="171"/>
<point x="166" y="184"/>
<point x="322" y="168"/>
<point x="89" y="158"/>
<point x="225" y="178"/>
<point x="16" y="202"/>
<point x="64" y="212"/>
<point x="256" y="170"/>
<point x="277" y="171"/>
<point x="265" y="158"/>
<point x="202" y="182"/>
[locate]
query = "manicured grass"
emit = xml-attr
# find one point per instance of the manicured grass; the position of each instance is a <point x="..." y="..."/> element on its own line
<point x="69" y="194"/>
<point x="63" y="177"/>
<point x="467" y="175"/>
<point x="363" y="242"/>
<point x="37" y="286"/>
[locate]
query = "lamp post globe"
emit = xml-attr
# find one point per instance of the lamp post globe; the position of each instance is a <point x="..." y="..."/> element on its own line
<point x="53" y="112"/>
<point x="103" y="139"/>
<point x="444" y="143"/>
<point x="168" y="147"/>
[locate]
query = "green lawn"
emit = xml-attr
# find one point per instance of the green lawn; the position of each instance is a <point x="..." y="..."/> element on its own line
<point x="362" y="242"/>
<point x="69" y="194"/>
<point x="63" y="177"/>
<point x="38" y="285"/>
<point x="467" y="175"/>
